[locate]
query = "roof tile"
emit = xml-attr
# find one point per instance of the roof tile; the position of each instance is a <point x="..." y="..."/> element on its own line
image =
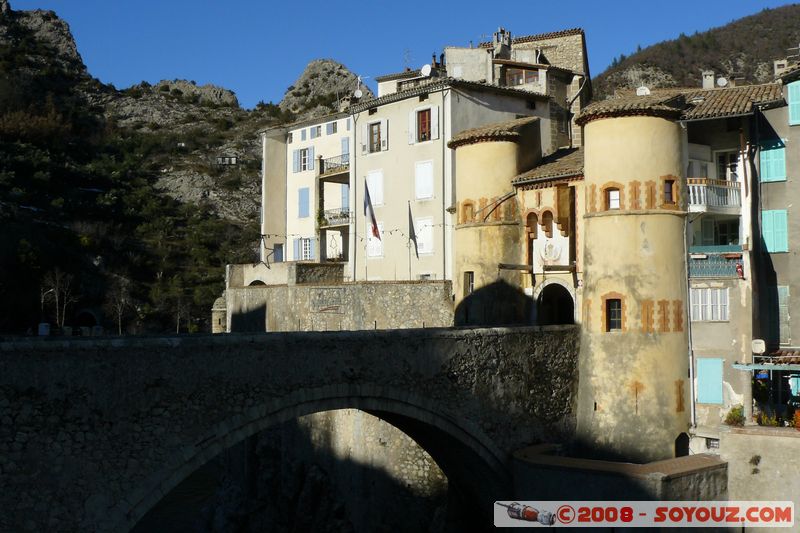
<point x="564" y="163"/>
<point x="499" y="131"/>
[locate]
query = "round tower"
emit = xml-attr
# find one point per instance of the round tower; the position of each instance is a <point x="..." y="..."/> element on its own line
<point x="633" y="396"/>
<point x="487" y="230"/>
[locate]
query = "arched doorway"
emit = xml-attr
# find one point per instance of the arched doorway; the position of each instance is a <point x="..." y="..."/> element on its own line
<point x="555" y="306"/>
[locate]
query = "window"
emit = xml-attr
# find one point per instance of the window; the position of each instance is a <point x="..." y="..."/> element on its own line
<point x="302" y="203"/>
<point x="469" y="283"/>
<point x="375" y="184"/>
<point x="709" y="304"/>
<point x="348" y="124"/>
<point x="774" y="231"/>
<point x="304" y="249"/>
<point x="303" y="134"/>
<point x="773" y="161"/>
<point x="612" y="198"/>
<point x="289" y="138"/>
<point x="709" y="380"/>
<point x="424" y="231"/>
<point x="303" y="159"/>
<point x="516" y="76"/>
<point x="374" y="140"/>
<point x="316" y="131"/>
<point x="728" y="166"/>
<point x="669" y="191"/>
<point x="794" y="103"/>
<point x="715" y="232"/>
<point x="423" y="179"/>
<point x="613" y="314"/>
<point x="375" y="245"/>
<point x="424" y="125"/>
<point x="277" y="252"/>
<point x="697" y="169"/>
<point x="345" y="148"/>
<point x="330" y="128"/>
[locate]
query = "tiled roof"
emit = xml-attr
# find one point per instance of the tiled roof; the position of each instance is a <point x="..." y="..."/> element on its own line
<point x="539" y="37"/>
<point x="309" y="121"/>
<point x="522" y="64"/>
<point x="790" y="75"/>
<point x="686" y="103"/>
<point x="439" y="83"/>
<point x="717" y="103"/>
<point x="663" y="105"/>
<point x="564" y="163"/>
<point x="500" y="131"/>
<point x="785" y="357"/>
<point x="398" y="75"/>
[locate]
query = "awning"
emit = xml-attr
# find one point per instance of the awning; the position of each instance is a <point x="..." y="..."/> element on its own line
<point x="763" y="366"/>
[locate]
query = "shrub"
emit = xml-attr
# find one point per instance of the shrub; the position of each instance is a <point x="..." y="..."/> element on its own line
<point x="735" y="416"/>
<point x="164" y="88"/>
<point x="766" y="420"/>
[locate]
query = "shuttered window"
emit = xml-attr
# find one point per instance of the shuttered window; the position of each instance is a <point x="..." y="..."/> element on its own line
<point x="424" y="232"/>
<point x="709" y="304"/>
<point x="709" y="380"/>
<point x="774" y="230"/>
<point x="304" y="249"/>
<point x="375" y="184"/>
<point x="423" y="178"/>
<point x="794" y="103"/>
<point x="345" y="197"/>
<point x="375" y="245"/>
<point x="773" y="162"/>
<point x="302" y="203"/>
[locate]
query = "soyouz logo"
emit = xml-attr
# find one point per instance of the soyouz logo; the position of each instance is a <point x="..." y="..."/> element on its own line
<point x="678" y="514"/>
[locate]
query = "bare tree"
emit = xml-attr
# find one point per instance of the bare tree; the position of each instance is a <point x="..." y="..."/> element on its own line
<point x="58" y="284"/>
<point x="118" y="300"/>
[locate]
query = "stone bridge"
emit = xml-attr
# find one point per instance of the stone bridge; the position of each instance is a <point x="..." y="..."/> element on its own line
<point x="94" y="432"/>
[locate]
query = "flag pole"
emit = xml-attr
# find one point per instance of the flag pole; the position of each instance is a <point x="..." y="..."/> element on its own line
<point x="408" y="245"/>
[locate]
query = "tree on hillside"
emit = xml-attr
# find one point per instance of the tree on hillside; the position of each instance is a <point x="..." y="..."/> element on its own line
<point x="57" y="287"/>
<point x="118" y="301"/>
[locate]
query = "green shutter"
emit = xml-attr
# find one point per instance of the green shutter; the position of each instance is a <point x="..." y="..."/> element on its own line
<point x="709" y="381"/>
<point x="774" y="230"/>
<point x="773" y="162"/>
<point x="794" y="103"/>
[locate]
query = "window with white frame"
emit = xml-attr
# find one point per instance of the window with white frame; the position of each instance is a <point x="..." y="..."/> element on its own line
<point x="425" y="235"/>
<point x="316" y="131"/>
<point x="423" y="180"/>
<point x="728" y="166"/>
<point x="374" y="137"/>
<point x="374" y="244"/>
<point x="375" y="184"/>
<point x="423" y="124"/>
<point x="330" y="128"/>
<point x="303" y="159"/>
<point x="709" y="304"/>
<point x="306" y="249"/>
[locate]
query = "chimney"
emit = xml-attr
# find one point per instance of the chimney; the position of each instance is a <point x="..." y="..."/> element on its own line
<point x="433" y="60"/>
<point x="708" y="79"/>
<point x="502" y="44"/>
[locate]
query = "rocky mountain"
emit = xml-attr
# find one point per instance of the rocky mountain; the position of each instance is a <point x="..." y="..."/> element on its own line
<point x="743" y="49"/>
<point x="320" y="87"/>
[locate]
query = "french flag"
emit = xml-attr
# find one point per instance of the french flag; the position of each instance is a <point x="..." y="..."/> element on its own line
<point x="369" y="212"/>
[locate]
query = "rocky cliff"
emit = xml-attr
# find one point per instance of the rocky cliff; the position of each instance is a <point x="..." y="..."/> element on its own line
<point x="320" y="88"/>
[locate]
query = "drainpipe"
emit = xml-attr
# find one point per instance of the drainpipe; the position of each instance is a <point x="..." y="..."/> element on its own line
<point x="353" y="244"/>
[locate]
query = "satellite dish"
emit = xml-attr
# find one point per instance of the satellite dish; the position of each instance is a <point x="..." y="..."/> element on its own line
<point x="425" y="70"/>
<point x="759" y="346"/>
<point x="357" y="93"/>
<point x="722" y="82"/>
<point x="642" y="91"/>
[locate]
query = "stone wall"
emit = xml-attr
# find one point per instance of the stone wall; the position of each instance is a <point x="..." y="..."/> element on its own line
<point x="348" y="306"/>
<point x="94" y="432"/>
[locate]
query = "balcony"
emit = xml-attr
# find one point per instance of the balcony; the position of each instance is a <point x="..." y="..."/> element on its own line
<point x="334" y="217"/>
<point x="714" y="261"/>
<point x="335" y="167"/>
<point x="714" y="195"/>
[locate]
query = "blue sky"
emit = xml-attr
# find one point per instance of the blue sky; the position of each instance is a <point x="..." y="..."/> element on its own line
<point x="257" y="48"/>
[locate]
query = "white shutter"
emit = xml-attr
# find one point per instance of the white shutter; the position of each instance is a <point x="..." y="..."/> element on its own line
<point x="384" y="134"/>
<point x="424" y="231"/>
<point x="375" y="245"/>
<point x="423" y="177"/>
<point x="375" y="184"/>
<point x="435" y="122"/>
<point x="364" y="138"/>
<point x="412" y="127"/>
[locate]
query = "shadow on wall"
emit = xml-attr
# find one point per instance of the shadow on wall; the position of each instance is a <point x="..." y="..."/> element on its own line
<point x="496" y="304"/>
<point x="289" y="478"/>
<point x="250" y="321"/>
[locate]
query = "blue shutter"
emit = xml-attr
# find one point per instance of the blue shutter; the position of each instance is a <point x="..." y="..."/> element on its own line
<point x="311" y="246"/>
<point x="345" y="145"/>
<point x="346" y="197"/>
<point x="295" y="160"/>
<point x="773" y="162"/>
<point x="794" y="103"/>
<point x="774" y="230"/>
<point x="348" y="124"/>
<point x="303" y="134"/>
<point x="709" y="381"/>
<point x="296" y="255"/>
<point x="302" y="208"/>
<point x="310" y="158"/>
<point x="277" y="253"/>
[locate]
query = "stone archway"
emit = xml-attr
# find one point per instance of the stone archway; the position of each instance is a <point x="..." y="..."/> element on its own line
<point x="555" y="305"/>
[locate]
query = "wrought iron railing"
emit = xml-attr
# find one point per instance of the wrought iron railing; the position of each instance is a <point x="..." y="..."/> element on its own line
<point x="340" y="163"/>
<point x="706" y="192"/>
<point x="335" y="217"/>
<point x="715" y="261"/>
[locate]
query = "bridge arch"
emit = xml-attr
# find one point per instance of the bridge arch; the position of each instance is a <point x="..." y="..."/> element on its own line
<point x="474" y="466"/>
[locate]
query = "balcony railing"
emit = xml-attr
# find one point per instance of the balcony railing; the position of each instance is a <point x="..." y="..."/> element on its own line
<point x="335" y="217"/>
<point x="334" y="165"/>
<point x="706" y="193"/>
<point x="717" y="261"/>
